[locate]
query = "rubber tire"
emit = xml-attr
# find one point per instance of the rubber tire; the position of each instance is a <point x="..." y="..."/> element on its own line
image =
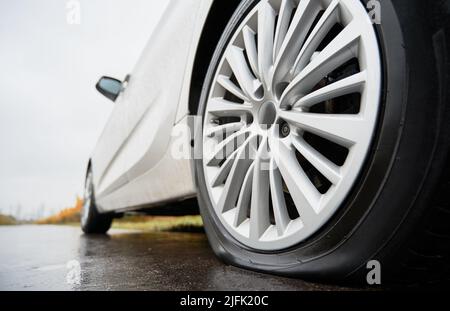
<point x="398" y="211"/>
<point x="96" y="222"/>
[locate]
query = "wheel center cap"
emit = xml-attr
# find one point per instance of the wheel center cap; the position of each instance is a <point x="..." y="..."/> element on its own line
<point x="267" y="115"/>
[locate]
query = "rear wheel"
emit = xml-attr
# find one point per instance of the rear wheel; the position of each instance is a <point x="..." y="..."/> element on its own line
<point x="316" y="151"/>
<point x="91" y="220"/>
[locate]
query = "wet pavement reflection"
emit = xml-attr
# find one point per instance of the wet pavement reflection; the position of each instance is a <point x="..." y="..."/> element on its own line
<point x="36" y="257"/>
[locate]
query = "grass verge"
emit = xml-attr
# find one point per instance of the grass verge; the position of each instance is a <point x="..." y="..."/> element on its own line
<point x="160" y="223"/>
<point x="7" y="220"/>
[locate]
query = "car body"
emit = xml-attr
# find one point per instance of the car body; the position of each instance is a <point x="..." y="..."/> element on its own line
<point x="134" y="150"/>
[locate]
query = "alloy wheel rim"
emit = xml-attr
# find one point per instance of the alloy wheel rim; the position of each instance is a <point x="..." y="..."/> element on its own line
<point x="290" y="118"/>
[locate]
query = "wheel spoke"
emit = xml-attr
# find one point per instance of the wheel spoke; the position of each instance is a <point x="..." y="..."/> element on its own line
<point x="259" y="210"/>
<point x="284" y="18"/>
<point x="227" y="147"/>
<point x="236" y="176"/>
<point x="345" y="130"/>
<point x="352" y="84"/>
<point x="224" y="170"/>
<point x="231" y="87"/>
<point x="278" y="202"/>
<point x="266" y="26"/>
<point x="321" y="163"/>
<point x="329" y="18"/>
<point x="295" y="37"/>
<point x="305" y="195"/>
<point x="244" y="197"/>
<point x="222" y="107"/>
<point x="251" y="49"/>
<point x="225" y="129"/>
<point x="244" y="76"/>
<point x="343" y="48"/>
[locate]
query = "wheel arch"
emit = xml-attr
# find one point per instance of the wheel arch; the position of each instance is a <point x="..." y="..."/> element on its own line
<point x="89" y="166"/>
<point x="216" y="21"/>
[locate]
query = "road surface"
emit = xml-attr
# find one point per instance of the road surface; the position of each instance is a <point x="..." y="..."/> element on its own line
<point x="37" y="257"/>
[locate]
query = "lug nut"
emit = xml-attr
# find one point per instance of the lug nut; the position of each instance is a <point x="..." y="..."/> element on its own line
<point x="285" y="130"/>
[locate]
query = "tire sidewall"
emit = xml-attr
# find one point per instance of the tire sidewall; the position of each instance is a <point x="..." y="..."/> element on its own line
<point x="96" y="222"/>
<point x="91" y="213"/>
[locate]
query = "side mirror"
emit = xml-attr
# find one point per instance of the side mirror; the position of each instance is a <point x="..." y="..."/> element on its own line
<point x="109" y="87"/>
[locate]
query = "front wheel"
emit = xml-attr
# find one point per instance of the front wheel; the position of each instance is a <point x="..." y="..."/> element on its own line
<point x="324" y="146"/>
<point x="92" y="221"/>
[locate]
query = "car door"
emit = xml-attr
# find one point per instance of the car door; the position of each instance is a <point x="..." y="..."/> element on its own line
<point x="138" y="134"/>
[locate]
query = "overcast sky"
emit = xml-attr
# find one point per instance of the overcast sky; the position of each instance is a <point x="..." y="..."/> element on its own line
<point x="50" y="114"/>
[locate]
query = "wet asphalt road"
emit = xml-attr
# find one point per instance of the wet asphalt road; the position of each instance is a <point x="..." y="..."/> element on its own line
<point x="35" y="258"/>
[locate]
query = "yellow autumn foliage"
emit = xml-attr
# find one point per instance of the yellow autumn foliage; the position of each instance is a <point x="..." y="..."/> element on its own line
<point x="68" y="215"/>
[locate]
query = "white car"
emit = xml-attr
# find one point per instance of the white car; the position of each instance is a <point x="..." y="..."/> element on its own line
<point x="320" y="134"/>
